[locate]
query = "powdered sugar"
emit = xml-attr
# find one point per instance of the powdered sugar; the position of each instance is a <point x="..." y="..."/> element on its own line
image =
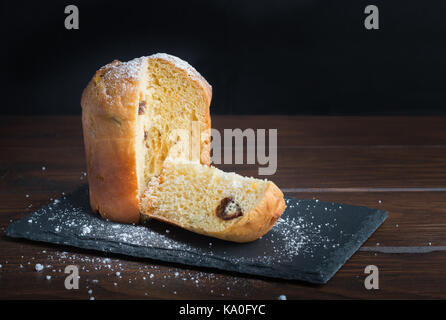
<point x="133" y="69"/>
<point x="119" y="70"/>
<point x="307" y="234"/>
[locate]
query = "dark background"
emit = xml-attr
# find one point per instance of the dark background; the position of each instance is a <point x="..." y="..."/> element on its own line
<point x="268" y="57"/>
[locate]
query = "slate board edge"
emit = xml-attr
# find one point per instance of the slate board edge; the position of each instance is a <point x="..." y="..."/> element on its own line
<point x="380" y="217"/>
<point x="153" y="253"/>
<point x="359" y="238"/>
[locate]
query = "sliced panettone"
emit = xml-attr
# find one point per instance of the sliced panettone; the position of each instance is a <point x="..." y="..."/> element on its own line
<point x="209" y="201"/>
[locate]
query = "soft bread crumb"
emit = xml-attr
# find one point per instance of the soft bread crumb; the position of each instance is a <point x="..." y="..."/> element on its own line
<point x="169" y="104"/>
<point x="188" y="194"/>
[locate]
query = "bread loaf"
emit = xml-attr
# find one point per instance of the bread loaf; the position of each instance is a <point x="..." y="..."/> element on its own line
<point x="129" y="110"/>
<point x="209" y="201"/>
<point x="137" y="167"/>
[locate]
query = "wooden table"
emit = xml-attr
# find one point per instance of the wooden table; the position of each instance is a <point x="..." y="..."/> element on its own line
<point x="392" y="163"/>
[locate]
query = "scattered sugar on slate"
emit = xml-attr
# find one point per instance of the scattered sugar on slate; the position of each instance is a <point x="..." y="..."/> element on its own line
<point x="293" y="235"/>
<point x="290" y="236"/>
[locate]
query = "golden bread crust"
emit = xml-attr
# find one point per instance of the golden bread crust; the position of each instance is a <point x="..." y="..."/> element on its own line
<point x="109" y="115"/>
<point x="259" y="220"/>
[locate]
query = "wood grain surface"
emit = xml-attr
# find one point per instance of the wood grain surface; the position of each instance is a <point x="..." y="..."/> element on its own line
<point x="393" y="163"/>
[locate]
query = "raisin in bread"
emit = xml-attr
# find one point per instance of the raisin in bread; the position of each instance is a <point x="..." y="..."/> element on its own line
<point x="129" y="110"/>
<point x="208" y="201"/>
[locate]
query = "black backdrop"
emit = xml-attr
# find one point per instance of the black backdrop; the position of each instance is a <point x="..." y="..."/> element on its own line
<point x="268" y="57"/>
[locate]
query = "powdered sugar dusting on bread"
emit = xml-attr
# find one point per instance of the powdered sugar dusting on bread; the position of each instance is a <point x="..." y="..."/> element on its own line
<point x="133" y="69"/>
<point x="179" y="63"/>
<point x="119" y="70"/>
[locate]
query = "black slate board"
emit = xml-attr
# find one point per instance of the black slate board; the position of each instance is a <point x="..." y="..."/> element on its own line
<point x="310" y="242"/>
